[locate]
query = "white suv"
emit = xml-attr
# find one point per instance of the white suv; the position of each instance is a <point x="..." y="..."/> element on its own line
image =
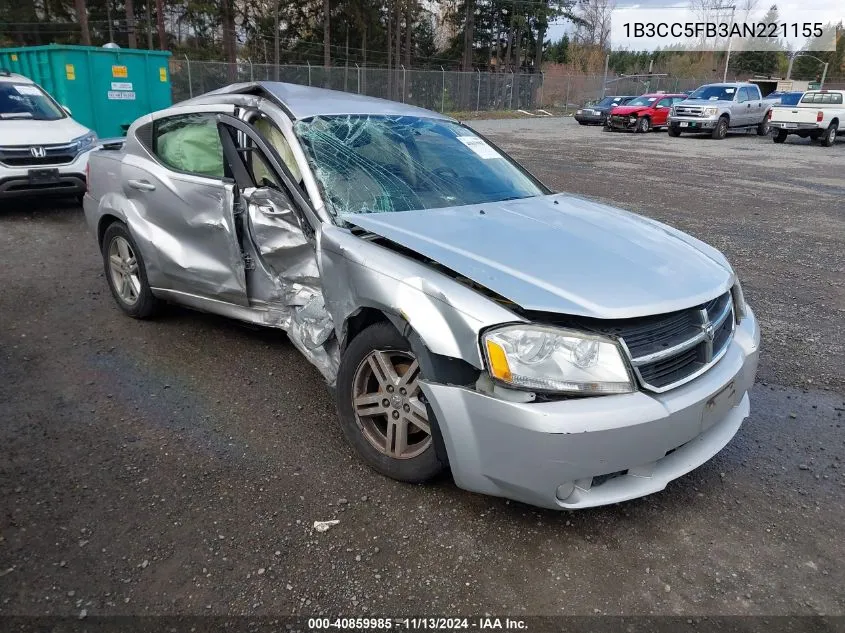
<point x="42" y="149"/>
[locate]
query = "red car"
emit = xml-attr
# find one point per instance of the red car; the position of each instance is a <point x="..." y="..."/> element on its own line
<point x="643" y="113"/>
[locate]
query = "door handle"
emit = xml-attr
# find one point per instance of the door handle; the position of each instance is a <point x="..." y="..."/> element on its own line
<point x="141" y="185"/>
<point x="271" y="211"/>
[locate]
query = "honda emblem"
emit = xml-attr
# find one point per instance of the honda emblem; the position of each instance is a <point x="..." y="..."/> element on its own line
<point x="38" y="152"/>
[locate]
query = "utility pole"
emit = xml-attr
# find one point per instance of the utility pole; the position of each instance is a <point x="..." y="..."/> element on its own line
<point x="108" y="17"/>
<point x="803" y="54"/>
<point x="604" y="83"/>
<point x="730" y="41"/>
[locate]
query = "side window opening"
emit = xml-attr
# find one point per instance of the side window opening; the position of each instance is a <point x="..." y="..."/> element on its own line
<point x="189" y="143"/>
<point x="276" y="139"/>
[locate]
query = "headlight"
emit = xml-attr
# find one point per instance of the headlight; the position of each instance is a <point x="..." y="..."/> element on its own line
<point x="710" y="111"/>
<point x="578" y="112"/>
<point x="84" y="142"/>
<point x="553" y="359"/>
<point x="739" y="301"/>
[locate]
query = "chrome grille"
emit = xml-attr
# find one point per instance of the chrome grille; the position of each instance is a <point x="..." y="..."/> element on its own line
<point x="24" y="156"/>
<point x="667" y="350"/>
<point x="688" y="110"/>
<point x="682" y="344"/>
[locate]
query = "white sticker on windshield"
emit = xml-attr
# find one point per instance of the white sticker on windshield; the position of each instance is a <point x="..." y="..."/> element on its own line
<point x="31" y="91"/>
<point x="478" y="146"/>
<point x="730" y="91"/>
<point x="650" y="99"/>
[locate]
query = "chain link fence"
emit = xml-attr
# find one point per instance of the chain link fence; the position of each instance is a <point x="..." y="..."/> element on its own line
<point x="440" y="90"/>
<point x="570" y="91"/>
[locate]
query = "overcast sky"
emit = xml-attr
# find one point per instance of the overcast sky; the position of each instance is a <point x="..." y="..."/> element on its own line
<point x="832" y="11"/>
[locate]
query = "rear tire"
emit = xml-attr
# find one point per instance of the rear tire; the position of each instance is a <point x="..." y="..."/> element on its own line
<point x="674" y="131"/>
<point x="582" y="122"/>
<point x="381" y="407"/>
<point x="763" y="128"/>
<point x="643" y="125"/>
<point x="721" y="130"/>
<point x="829" y="137"/>
<point x="126" y="273"/>
<point x="780" y="136"/>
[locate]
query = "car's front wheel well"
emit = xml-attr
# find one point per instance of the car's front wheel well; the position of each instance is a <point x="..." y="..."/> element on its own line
<point x="360" y="321"/>
<point x="105" y="222"/>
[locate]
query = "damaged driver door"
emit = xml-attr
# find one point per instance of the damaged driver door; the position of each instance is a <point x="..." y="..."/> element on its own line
<point x="277" y="234"/>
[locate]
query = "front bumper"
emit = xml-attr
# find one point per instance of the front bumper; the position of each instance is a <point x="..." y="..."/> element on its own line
<point x="15" y="182"/>
<point x="596" y="119"/>
<point x="622" y="122"/>
<point x="586" y="452"/>
<point x="691" y="124"/>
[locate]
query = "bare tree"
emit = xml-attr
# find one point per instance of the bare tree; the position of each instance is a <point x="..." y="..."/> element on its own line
<point x="276" y="39"/>
<point x="469" y="35"/>
<point x="162" y="34"/>
<point x="82" y="17"/>
<point x="130" y="24"/>
<point x="410" y="10"/>
<point x="327" y="33"/>
<point x="148" y="14"/>
<point x="593" y="21"/>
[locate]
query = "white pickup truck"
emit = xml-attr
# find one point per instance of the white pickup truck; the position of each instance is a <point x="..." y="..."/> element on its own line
<point x="818" y="115"/>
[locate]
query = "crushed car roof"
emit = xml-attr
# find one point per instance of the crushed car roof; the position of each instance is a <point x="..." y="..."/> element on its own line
<point x="303" y="102"/>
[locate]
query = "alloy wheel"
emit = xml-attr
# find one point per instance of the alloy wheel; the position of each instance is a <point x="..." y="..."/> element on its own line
<point x="123" y="268"/>
<point x="386" y="400"/>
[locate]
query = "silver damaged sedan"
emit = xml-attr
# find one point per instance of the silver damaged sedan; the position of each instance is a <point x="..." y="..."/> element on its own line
<point x="541" y="346"/>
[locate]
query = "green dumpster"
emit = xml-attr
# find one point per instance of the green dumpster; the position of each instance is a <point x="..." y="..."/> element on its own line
<point x="105" y="88"/>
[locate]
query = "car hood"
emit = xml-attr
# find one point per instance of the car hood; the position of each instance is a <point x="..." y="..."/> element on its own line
<point x="30" y="132"/>
<point x="563" y="253"/>
<point x="702" y="102"/>
<point x="628" y="109"/>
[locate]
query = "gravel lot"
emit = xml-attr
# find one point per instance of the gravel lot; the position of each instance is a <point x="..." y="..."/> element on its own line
<point x="176" y="466"/>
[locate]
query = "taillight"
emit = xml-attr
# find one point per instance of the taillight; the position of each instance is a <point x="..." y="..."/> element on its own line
<point x="819" y="116"/>
<point x="87" y="176"/>
<point x="769" y="115"/>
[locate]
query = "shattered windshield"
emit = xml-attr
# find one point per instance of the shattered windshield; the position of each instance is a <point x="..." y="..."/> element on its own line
<point x="26" y="101"/>
<point x="375" y="164"/>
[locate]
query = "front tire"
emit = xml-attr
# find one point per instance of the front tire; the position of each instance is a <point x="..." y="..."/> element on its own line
<point x="829" y="137"/>
<point x="383" y="413"/>
<point x="674" y="131"/>
<point x="126" y="273"/>
<point x="643" y="125"/>
<point x="721" y="130"/>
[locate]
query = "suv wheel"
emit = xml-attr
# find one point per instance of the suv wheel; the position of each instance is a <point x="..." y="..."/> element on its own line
<point x="126" y="273"/>
<point x="829" y="137"/>
<point x="721" y="130"/>
<point x="643" y="125"/>
<point x="382" y="410"/>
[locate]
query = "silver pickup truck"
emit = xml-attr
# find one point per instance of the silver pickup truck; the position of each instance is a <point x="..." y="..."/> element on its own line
<point x="718" y="108"/>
